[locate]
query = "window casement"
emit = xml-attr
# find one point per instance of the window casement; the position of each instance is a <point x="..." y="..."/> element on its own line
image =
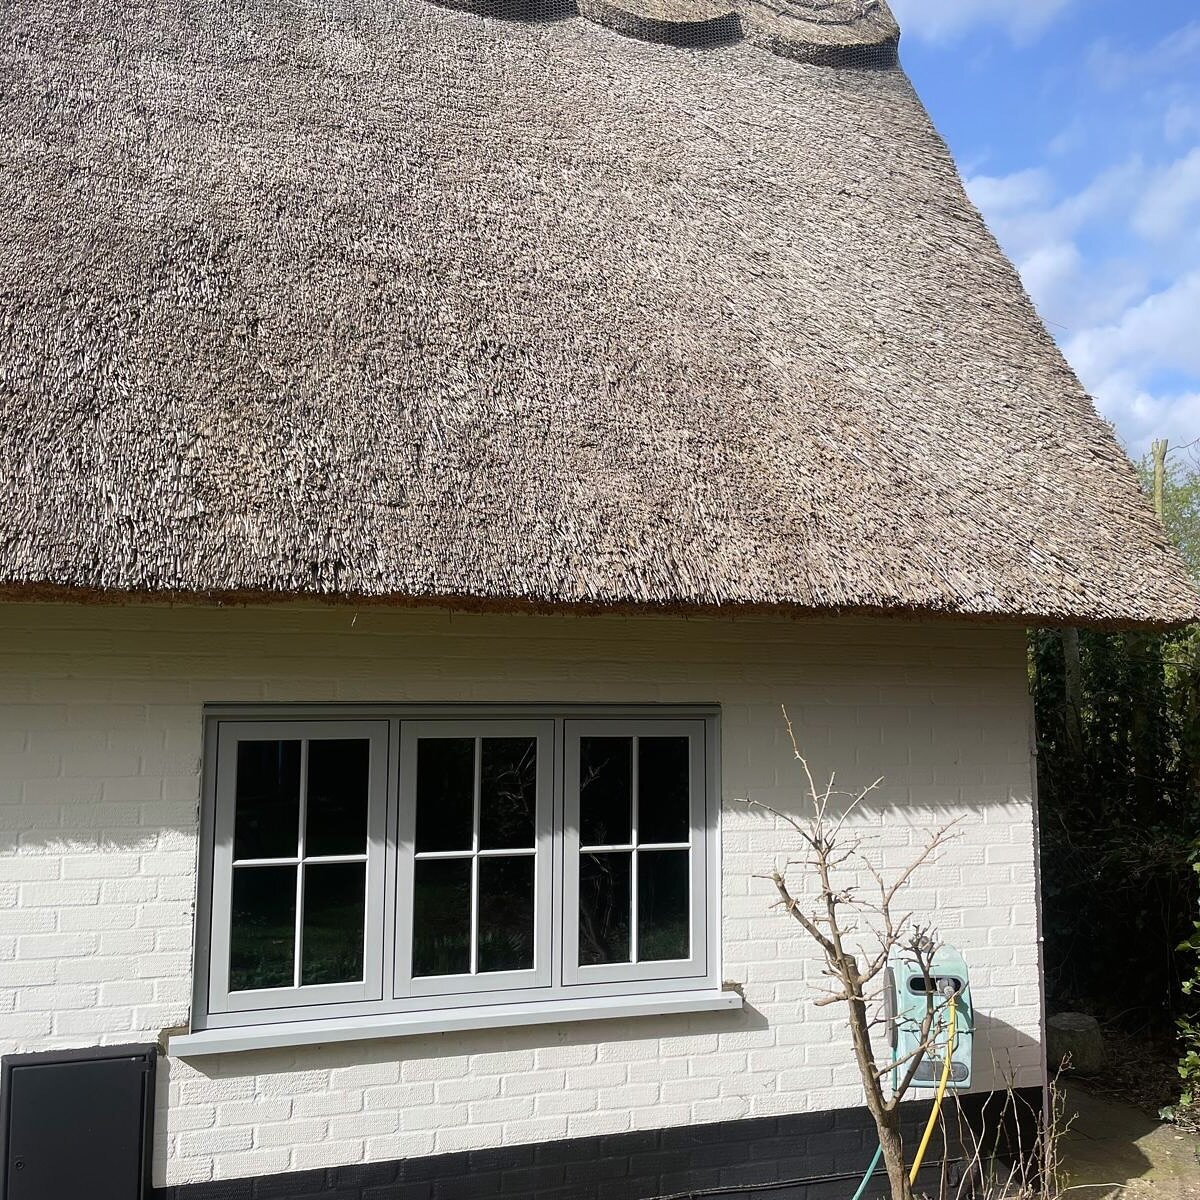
<point x="414" y="862"/>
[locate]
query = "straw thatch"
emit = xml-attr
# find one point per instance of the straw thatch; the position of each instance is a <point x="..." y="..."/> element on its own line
<point x="380" y="299"/>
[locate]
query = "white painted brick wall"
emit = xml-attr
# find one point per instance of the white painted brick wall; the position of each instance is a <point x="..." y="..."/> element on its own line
<point x="100" y="745"/>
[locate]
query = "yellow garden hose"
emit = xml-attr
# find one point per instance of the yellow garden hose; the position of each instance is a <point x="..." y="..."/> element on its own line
<point x="937" y="1100"/>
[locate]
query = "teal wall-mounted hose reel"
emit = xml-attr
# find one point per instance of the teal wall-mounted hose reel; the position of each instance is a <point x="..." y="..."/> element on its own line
<point x="908" y="1000"/>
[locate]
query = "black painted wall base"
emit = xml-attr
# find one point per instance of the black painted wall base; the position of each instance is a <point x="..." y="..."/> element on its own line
<point x="809" y="1156"/>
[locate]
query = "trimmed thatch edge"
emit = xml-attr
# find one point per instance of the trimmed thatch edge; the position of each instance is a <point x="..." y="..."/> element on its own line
<point x="53" y="593"/>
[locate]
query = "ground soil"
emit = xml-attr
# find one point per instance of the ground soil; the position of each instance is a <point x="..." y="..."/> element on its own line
<point x="1115" y="1150"/>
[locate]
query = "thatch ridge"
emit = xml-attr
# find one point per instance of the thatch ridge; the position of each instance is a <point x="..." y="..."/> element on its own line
<point x="388" y="301"/>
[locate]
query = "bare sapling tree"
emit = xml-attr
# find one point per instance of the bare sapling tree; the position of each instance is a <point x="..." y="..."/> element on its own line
<point x="844" y="901"/>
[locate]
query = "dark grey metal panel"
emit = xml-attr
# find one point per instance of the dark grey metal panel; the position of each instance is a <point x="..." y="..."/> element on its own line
<point x="77" y="1123"/>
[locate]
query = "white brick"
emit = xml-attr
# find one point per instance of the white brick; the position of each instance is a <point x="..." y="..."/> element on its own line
<point x="474" y="1087"/>
<point x="252" y="1163"/>
<point x="212" y="1142"/>
<point x="327" y="1104"/>
<point x="364" y="1124"/>
<point x="290" y="1133"/>
<point x="310" y="1155"/>
<point x="255" y="1113"/>
<point x="28" y="866"/>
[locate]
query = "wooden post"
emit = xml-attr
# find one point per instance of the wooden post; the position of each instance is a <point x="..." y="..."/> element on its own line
<point x="1158" y="451"/>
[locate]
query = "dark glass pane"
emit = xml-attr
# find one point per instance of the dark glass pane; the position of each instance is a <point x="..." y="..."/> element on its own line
<point x="506" y="913"/>
<point x="262" y="935"/>
<point x="336" y="817"/>
<point x="663" y="789"/>
<point x="334" y="906"/>
<point x="267" y="820"/>
<point x="507" y="791"/>
<point x="605" y="791"/>
<point x="445" y="793"/>
<point x="663" y="925"/>
<point x="442" y="917"/>
<point x="603" y="908"/>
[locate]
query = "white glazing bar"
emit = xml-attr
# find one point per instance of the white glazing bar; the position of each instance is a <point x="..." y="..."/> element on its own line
<point x="475" y="857"/>
<point x="634" y="816"/>
<point x="300" y="839"/>
<point x="444" y="854"/>
<point x="614" y="849"/>
<point x="291" y="862"/>
<point x="515" y="852"/>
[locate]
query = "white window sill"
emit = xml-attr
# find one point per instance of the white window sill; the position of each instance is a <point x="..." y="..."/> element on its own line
<point x="492" y="1016"/>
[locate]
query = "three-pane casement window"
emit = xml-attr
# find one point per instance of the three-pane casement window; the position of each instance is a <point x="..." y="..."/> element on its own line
<point x="399" y="863"/>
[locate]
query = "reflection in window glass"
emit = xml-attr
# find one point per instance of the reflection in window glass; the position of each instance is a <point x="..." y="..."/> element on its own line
<point x="334" y="912"/>
<point x="262" y="935"/>
<point x="267" y="812"/>
<point x="605" y="791"/>
<point x="336" y="809"/>
<point x="442" y="917"/>
<point x="506" y="913"/>
<point x="445" y="793"/>
<point x="507" y="793"/>
<point x="604" y="908"/>
<point x="663" y="905"/>
<point x="663" y="789"/>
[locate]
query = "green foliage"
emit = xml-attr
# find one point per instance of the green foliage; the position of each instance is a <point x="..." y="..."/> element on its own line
<point x="1119" y="782"/>
<point x="1189" y="1024"/>
<point x="1181" y="505"/>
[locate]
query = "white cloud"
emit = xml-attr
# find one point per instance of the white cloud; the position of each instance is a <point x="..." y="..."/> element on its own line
<point x="1069" y="139"/>
<point x="1181" y="120"/>
<point x="946" y="20"/>
<point x="1051" y="274"/>
<point x="1171" y="203"/>
<point x="1019" y="208"/>
<point x="1113" y="66"/>
<point x="1140" y="416"/>
<point x="1001" y="195"/>
<point x="1157" y="333"/>
<point x="1117" y="363"/>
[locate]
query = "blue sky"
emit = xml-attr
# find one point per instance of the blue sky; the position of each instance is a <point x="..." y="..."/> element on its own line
<point x="1076" y="125"/>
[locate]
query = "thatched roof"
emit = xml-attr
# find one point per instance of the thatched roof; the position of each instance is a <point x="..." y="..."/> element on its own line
<point x="379" y="299"/>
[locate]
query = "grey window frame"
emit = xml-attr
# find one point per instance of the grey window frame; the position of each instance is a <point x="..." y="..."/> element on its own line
<point x="396" y="998"/>
<point x="696" y="964"/>
<point x="222" y="1000"/>
<point x="445" y="986"/>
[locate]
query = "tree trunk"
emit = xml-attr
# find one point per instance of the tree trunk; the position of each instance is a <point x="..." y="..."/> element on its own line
<point x="887" y="1120"/>
<point x="1139" y="649"/>
<point x="1072" y="716"/>
<point x="893" y="1154"/>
